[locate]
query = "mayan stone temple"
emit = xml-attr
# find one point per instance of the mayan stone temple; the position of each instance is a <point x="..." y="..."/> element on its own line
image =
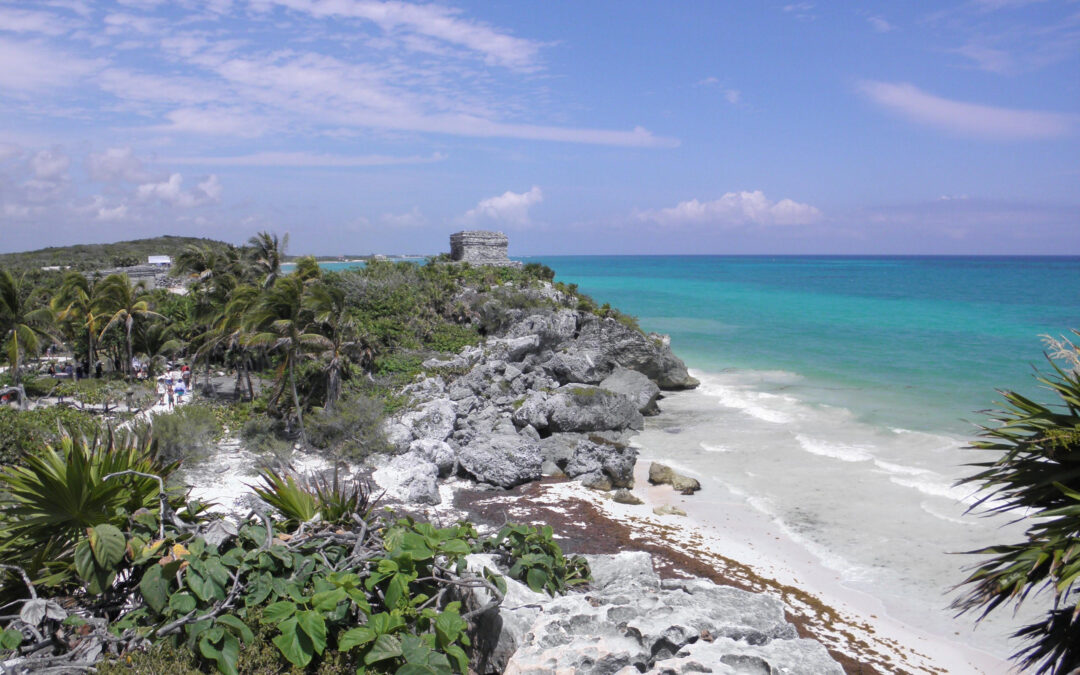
<point x="480" y="247"/>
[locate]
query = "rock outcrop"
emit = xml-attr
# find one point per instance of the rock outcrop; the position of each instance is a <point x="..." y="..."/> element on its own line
<point x="629" y="621"/>
<point x="556" y="390"/>
<point x="661" y="474"/>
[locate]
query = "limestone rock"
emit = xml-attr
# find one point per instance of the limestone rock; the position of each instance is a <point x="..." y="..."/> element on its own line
<point x="503" y="460"/>
<point x="438" y="453"/>
<point x="624" y="496"/>
<point x="624" y="346"/>
<point x="433" y="420"/>
<point x="612" y="460"/>
<point x="630" y="622"/>
<point x="635" y="386"/>
<point x="587" y="408"/>
<point x="668" y="510"/>
<point x="409" y="478"/>
<point x="661" y="474"/>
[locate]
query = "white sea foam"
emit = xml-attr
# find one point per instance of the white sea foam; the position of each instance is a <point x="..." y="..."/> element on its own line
<point x="753" y="403"/>
<point x="840" y="451"/>
<point x="714" y="447"/>
<point x="933" y="510"/>
<point x="901" y="469"/>
<point x="935" y="488"/>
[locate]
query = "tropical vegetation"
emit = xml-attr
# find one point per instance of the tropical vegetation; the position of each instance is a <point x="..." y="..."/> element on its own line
<point x="1032" y="472"/>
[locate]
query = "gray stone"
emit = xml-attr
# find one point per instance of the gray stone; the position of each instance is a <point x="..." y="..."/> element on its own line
<point x="629" y="622"/>
<point x="574" y="366"/>
<point x="624" y="496"/>
<point x="434" y="419"/>
<point x="532" y="411"/>
<point x="635" y="386"/>
<point x="438" y="453"/>
<point x="514" y="348"/>
<point x="624" y="346"/>
<point x="504" y="461"/>
<point x="613" y="460"/>
<point x="409" y="478"/>
<point x="480" y="247"/>
<point x="668" y="510"/>
<point x="588" y="408"/>
<point x="661" y="474"/>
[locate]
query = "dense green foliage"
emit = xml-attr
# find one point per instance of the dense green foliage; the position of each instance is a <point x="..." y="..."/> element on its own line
<point x="326" y="587"/>
<point x="99" y="256"/>
<point x="1033" y="472"/>
<point x="25" y="431"/>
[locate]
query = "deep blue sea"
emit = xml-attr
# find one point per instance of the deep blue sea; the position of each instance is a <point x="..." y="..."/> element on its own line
<point x="838" y="395"/>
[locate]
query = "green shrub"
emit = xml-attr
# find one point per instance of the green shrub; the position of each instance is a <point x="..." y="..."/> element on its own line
<point x="448" y="337"/>
<point x="263" y="435"/>
<point x="353" y="430"/>
<point x="26" y="431"/>
<point x="188" y="432"/>
<point x="535" y="558"/>
<point x="299" y="499"/>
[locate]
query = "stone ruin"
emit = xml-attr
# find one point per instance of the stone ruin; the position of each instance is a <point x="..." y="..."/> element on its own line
<point x="480" y="247"/>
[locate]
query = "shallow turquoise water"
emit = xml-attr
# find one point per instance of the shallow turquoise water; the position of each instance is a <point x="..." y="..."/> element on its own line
<point x="918" y="342"/>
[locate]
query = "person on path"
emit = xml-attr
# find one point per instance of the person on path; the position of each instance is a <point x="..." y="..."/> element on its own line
<point x="171" y="396"/>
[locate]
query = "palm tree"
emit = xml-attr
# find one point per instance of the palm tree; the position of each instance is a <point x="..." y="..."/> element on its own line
<point x="125" y="302"/>
<point x="343" y="343"/>
<point x="80" y="301"/>
<point x="1031" y="471"/>
<point x="216" y="273"/>
<point x="281" y="323"/>
<point x="268" y="253"/>
<point x="229" y="331"/>
<point x="156" y="342"/>
<point x="21" y="325"/>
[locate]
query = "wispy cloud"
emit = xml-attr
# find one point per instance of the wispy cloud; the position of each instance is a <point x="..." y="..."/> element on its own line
<point x="880" y="25"/>
<point x="510" y="209"/>
<point x="967" y="119"/>
<point x="31" y="66"/>
<point x="733" y="209"/>
<point x="304" y="159"/>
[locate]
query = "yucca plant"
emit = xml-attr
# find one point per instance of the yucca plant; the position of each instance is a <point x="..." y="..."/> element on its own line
<point x="1035" y="475"/>
<point x="55" y="496"/>
<point x="299" y="499"/>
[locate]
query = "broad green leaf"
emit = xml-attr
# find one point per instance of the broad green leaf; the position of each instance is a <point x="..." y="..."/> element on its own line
<point x="328" y="600"/>
<point x="294" y="644"/>
<point x="237" y="625"/>
<point x="84" y="560"/>
<point x="314" y="625"/>
<point x="11" y="639"/>
<point x="456" y="546"/>
<point x="230" y="655"/>
<point x="448" y="626"/>
<point x="385" y="647"/>
<point x="536" y="578"/>
<point x="217" y="572"/>
<point x="183" y="602"/>
<point x="108" y="544"/>
<point x="278" y="612"/>
<point x="361" y="635"/>
<point x="396" y="591"/>
<point x="460" y="658"/>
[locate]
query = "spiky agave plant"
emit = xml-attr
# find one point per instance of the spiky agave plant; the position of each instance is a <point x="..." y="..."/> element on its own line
<point x="54" y="496"/>
<point x="1034" y="475"/>
<point x="299" y="499"/>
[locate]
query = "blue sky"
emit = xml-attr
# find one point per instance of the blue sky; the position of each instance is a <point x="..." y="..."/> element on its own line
<point x="575" y="127"/>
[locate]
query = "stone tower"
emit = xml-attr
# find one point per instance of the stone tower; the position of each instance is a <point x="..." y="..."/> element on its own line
<point x="480" y="247"/>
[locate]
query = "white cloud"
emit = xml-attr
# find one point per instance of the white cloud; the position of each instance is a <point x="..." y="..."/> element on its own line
<point x="102" y="212"/>
<point x="732" y="96"/>
<point x="29" y="21"/>
<point x="509" y="208"/>
<point x="50" y="165"/>
<point x="967" y="119"/>
<point x="434" y="21"/>
<point x="988" y="59"/>
<point x="171" y="192"/>
<point x="116" y="164"/>
<point x="880" y="25"/>
<point x="734" y="208"/>
<point x="32" y="67"/>
<point x="9" y="150"/>
<point x="305" y="159"/>
<point x="216" y="122"/>
<point x="120" y="23"/>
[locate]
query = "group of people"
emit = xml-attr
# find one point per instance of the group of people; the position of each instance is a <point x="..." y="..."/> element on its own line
<point x="173" y="386"/>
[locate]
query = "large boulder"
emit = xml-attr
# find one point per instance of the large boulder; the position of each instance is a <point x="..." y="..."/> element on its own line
<point x="613" y="461"/>
<point x="432" y="420"/>
<point x="514" y="348"/>
<point x="576" y="365"/>
<point x="551" y="329"/>
<point x="503" y="460"/>
<point x="409" y="478"/>
<point x="635" y="386"/>
<point x="647" y="354"/>
<point x="661" y="474"/>
<point x="586" y="408"/>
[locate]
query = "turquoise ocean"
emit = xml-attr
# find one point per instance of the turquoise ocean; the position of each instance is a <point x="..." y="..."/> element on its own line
<point x="838" y="394"/>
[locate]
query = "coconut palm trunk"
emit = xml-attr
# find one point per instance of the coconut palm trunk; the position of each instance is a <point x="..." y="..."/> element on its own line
<point x="296" y="399"/>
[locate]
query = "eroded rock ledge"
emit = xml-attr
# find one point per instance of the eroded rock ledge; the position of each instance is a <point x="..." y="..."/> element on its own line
<point x="630" y="621"/>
